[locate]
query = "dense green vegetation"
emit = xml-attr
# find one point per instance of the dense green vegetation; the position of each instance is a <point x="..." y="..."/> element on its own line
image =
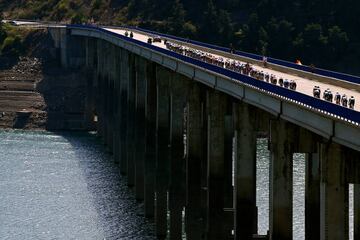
<point x="319" y="32"/>
<point x="11" y="43"/>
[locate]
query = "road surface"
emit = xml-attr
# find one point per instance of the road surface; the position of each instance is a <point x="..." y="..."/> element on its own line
<point x="304" y="85"/>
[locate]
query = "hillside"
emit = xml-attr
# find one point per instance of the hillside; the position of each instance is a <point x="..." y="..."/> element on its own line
<point x="319" y="32"/>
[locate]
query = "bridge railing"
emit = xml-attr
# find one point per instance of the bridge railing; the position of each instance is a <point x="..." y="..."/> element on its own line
<point x="321" y="106"/>
<point x="309" y="69"/>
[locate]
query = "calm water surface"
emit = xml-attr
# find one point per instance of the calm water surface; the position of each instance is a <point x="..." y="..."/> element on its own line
<point x="64" y="186"/>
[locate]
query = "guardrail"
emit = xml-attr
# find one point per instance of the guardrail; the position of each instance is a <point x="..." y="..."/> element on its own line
<point x="330" y="109"/>
<point x="318" y="71"/>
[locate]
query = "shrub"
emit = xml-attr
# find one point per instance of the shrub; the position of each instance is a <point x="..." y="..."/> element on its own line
<point x="12" y="46"/>
<point x="78" y="18"/>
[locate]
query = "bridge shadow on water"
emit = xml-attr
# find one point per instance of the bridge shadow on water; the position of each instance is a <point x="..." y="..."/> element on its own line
<point x="120" y="216"/>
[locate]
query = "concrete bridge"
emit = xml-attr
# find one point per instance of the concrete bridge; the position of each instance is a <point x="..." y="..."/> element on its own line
<point x="177" y="126"/>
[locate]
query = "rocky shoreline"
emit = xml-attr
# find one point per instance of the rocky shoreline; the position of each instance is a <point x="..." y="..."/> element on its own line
<point x="18" y="96"/>
<point x="36" y="93"/>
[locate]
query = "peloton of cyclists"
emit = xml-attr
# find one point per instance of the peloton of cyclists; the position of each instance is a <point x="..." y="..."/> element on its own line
<point x="339" y="99"/>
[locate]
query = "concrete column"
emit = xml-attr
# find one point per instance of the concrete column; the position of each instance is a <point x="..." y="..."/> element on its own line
<point x="102" y="109"/>
<point x="151" y="140"/>
<point x="312" y="196"/>
<point x="91" y="64"/>
<point x="140" y="138"/>
<point x="179" y="87"/>
<point x="281" y="180"/>
<point x="163" y="141"/>
<point x="105" y="81"/>
<point x="245" y="172"/>
<point x="116" y="105"/>
<point x="131" y="119"/>
<point x="90" y="52"/>
<point x="110" y="68"/>
<point x="353" y="176"/>
<point x="194" y="158"/>
<point x="124" y="105"/>
<point x="100" y="90"/>
<point x="356" y="211"/>
<point x="204" y="161"/>
<point x="334" y="212"/>
<point x="98" y="105"/>
<point x="228" y="171"/>
<point x="64" y="49"/>
<point x="216" y="147"/>
<point x="110" y="115"/>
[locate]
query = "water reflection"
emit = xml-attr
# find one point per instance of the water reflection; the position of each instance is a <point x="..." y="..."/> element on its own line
<point x="263" y="191"/>
<point x="64" y="186"/>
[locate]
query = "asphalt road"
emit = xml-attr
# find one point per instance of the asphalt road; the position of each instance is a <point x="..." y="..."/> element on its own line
<point x="304" y="85"/>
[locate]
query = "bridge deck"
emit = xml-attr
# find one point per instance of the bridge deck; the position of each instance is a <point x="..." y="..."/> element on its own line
<point x="304" y="85"/>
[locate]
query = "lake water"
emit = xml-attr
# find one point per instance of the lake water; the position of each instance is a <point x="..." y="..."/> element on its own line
<point x="65" y="186"/>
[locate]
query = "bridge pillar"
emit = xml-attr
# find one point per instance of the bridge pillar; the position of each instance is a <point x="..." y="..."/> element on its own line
<point x="91" y="64"/>
<point x="107" y="114"/>
<point x="105" y="97"/>
<point x="245" y="172"/>
<point x="110" y="68"/>
<point x="216" y="148"/>
<point x="204" y="160"/>
<point x="334" y="211"/>
<point x="163" y="142"/>
<point x="356" y="211"/>
<point x="131" y="119"/>
<point x="98" y="105"/>
<point x="281" y="180"/>
<point x="124" y="105"/>
<point x="151" y="139"/>
<point x="100" y="87"/>
<point x="179" y="85"/>
<point x="117" y="102"/>
<point x="228" y="188"/>
<point x="353" y="176"/>
<point x="64" y="48"/>
<point x="103" y="112"/>
<point x="194" y="158"/>
<point x="140" y="139"/>
<point x="312" y="196"/>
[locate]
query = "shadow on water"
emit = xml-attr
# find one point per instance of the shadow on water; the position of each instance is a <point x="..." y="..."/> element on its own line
<point x="120" y="215"/>
<point x="21" y="120"/>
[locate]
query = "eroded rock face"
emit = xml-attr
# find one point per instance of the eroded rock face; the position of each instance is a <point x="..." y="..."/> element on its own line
<point x="52" y="97"/>
<point x="18" y="93"/>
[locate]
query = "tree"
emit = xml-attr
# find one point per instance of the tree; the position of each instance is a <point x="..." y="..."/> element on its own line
<point x="3" y="34"/>
<point x="313" y="43"/>
<point x="262" y="42"/>
<point x="281" y="35"/>
<point x="177" y="19"/>
<point x="210" y="25"/>
<point x="337" y="42"/>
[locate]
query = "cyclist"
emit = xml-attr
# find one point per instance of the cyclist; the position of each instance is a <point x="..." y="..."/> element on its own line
<point x="352" y="102"/>
<point x="316" y="91"/>
<point x="344" y="100"/>
<point x="286" y="83"/>
<point x="337" y="98"/>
